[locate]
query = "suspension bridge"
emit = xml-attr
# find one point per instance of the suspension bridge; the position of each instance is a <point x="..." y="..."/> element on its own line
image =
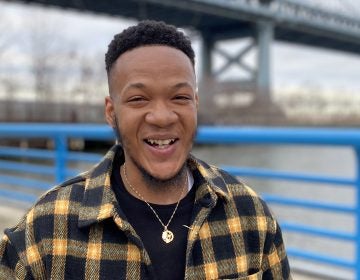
<point x="330" y="24"/>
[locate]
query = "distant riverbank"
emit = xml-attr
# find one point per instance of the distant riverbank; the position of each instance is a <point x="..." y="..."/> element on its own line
<point x="286" y="109"/>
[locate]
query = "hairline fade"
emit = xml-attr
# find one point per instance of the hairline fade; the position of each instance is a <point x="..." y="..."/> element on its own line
<point x="147" y="33"/>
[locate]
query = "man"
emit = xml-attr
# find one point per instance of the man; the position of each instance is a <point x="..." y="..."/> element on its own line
<point x="149" y="209"/>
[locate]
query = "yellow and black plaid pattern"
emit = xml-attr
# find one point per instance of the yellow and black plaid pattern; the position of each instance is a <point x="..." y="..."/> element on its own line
<point x="78" y="231"/>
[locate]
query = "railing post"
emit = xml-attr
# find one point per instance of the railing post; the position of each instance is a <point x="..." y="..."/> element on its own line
<point x="357" y="182"/>
<point x="60" y="159"/>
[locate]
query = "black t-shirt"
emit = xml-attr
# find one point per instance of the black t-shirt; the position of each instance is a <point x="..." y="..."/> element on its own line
<point x="168" y="260"/>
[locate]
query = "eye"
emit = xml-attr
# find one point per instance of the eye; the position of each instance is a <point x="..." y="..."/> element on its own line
<point x="183" y="97"/>
<point x="135" y="99"/>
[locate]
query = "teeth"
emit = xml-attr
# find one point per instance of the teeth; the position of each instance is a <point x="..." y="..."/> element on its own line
<point x="160" y="142"/>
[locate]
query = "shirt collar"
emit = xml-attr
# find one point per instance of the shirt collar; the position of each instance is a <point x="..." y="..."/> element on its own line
<point x="99" y="199"/>
<point x="212" y="185"/>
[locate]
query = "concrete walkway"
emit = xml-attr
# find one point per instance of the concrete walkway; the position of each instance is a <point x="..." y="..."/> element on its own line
<point x="10" y="215"/>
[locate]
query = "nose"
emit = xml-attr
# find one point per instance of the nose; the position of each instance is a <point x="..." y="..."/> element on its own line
<point x="161" y="115"/>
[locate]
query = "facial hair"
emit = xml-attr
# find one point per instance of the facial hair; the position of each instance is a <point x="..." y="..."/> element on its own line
<point x="162" y="184"/>
<point x="156" y="183"/>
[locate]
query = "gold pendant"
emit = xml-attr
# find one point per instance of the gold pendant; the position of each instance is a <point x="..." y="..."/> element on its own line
<point x="167" y="236"/>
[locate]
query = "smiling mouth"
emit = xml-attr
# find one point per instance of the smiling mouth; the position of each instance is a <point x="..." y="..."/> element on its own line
<point x="160" y="144"/>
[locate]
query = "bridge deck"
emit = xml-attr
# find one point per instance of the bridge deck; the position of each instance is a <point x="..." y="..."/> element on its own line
<point x="294" y="22"/>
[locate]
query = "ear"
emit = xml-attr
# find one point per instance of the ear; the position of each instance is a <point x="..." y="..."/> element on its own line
<point x="109" y="111"/>
<point x="197" y="100"/>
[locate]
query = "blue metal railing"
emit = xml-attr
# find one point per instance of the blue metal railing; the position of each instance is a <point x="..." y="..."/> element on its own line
<point x="60" y="156"/>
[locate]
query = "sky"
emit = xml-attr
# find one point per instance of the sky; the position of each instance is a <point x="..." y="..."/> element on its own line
<point x="294" y="67"/>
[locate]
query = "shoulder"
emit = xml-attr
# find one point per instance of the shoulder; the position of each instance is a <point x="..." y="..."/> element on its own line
<point x="225" y="181"/>
<point x="239" y="194"/>
<point x="61" y="198"/>
<point x="23" y="246"/>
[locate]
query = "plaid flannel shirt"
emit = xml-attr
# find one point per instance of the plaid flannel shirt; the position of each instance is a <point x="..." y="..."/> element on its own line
<point x="78" y="231"/>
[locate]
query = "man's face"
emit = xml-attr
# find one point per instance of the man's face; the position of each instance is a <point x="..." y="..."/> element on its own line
<point x="154" y="100"/>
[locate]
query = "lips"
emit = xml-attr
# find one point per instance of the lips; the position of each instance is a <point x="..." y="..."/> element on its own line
<point x="160" y="143"/>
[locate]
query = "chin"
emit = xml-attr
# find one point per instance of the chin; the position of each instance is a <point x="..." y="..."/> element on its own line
<point x="165" y="176"/>
<point x="170" y="174"/>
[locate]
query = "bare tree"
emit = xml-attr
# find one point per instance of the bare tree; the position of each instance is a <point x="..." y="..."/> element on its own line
<point x="8" y="83"/>
<point x="49" y="52"/>
<point x="92" y="77"/>
<point x="5" y="26"/>
<point x="41" y="48"/>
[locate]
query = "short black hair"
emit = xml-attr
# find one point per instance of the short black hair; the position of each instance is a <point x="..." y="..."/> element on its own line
<point x="148" y="32"/>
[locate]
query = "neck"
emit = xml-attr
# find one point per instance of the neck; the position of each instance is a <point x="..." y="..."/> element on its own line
<point x="156" y="191"/>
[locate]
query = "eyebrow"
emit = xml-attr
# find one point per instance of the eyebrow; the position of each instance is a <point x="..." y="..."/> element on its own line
<point x="142" y="86"/>
<point x="135" y="85"/>
<point x="180" y="85"/>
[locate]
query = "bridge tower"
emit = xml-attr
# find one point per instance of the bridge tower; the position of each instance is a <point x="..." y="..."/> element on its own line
<point x="259" y="81"/>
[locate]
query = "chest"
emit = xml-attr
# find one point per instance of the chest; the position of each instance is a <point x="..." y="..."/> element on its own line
<point x="215" y="248"/>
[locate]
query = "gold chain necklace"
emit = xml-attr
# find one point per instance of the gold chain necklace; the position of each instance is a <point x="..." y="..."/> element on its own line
<point x="167" y="235"/>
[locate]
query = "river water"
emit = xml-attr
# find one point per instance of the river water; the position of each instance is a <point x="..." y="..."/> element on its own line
<point x="331" y="161"/>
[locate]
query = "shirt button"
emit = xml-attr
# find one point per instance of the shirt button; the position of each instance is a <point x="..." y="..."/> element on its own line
<point x="206" y="201"/>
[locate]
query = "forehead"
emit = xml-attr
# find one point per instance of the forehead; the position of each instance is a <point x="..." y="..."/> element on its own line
<point x="153" y="61"/>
